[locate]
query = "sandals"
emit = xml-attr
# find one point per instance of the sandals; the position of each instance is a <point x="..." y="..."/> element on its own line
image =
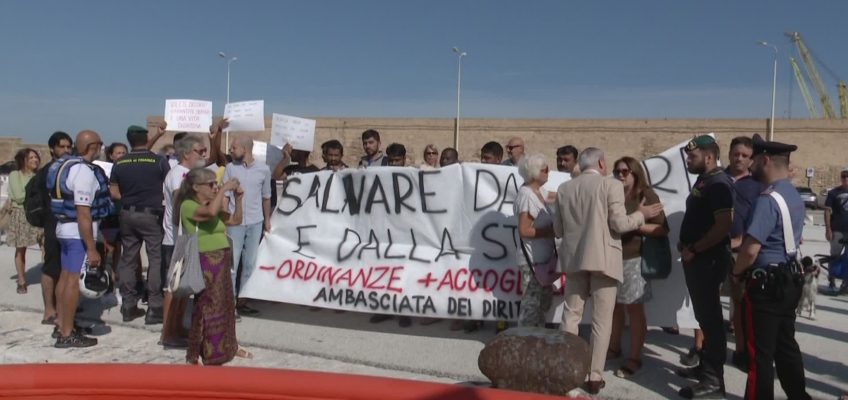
<point x="244" y="353"/>
<point x="51" y="320"/>
<point x="627" y="370"/>
<point x="22" y="288"/>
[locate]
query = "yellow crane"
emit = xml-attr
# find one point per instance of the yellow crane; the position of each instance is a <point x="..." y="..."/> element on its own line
<point x="815" y="78"/>
<point x="802" y="84"/>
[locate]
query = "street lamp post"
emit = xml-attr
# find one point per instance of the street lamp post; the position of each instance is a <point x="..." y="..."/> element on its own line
<point x="773" y="87"/>
<point x="229" y="61"/>
<point x="459" y="54"/>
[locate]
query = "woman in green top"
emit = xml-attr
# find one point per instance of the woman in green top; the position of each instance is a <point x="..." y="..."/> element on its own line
<point x="202" y="207"/>
<point x="21" y="234"/>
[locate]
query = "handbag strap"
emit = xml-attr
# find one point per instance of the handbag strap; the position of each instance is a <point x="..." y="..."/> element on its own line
<point x="180" y="227"/>
<point x="788" y="233"/>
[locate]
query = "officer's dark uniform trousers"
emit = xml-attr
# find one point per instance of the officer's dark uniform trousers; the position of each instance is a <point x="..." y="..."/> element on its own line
<point x="770" y="301"/>
<point x="704" y="276"/>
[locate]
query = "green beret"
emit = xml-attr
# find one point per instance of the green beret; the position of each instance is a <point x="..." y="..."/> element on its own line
<point x="700" y="142"/>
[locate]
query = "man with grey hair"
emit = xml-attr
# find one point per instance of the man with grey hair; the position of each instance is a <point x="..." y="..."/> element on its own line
<point x="590" y="220"/>
<point x="255" y="179"/>
<point x="515" y="151"/>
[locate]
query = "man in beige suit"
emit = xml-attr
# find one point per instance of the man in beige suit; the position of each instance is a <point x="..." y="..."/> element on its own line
<point x="591" y="218"/>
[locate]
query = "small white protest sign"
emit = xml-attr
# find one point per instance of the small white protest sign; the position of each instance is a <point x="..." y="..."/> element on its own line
<point x="300" y="132"/>
<point x="105" y="165"/>
<point x="245" y="116"/>
<point x="188" y="115"/>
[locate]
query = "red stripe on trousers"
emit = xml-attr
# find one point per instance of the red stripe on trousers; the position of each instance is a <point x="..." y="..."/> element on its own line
<point x="751" y="390"/>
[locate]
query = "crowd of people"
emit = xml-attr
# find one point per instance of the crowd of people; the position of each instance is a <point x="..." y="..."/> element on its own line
<point x="592" y="229"/>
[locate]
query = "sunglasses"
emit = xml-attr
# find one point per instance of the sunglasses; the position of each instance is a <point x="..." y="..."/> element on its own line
<point x="515" y="146"/>
<point x="621" y="173"/>
<point x="431" y="153"/>
<point x="212" y="184"/>
<point x="843" y="176"/>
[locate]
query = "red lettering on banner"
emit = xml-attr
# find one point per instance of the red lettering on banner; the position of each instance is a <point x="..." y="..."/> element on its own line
<point x="460" y="283"/>
<point x="507" y="285"/>
<point x="311" y="266"/>
<point x="490" y="287"/>
<point x="369" y="284"/>
<point x="298" y="269"/>
<point x="447" y="280"/>
<point x="394" y="276"/>
<point x="285" y="264"/>
<point x="472" y="281"/>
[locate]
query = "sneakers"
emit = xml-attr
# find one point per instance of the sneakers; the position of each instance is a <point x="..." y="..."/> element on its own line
<point x="694" y="373"/>
<point x="75" y="340"/>
<point x="692" y="358"/>
<point x="132" y="312"/>
<point x="703" y="390"/>
<point x="153" y="316"/>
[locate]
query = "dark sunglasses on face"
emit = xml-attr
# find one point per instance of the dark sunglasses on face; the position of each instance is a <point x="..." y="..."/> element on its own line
<point x="212" y="184"/>
<point x="621" y="173"/>
<point x="431" y="153"/>
<point x="515" y="146"/>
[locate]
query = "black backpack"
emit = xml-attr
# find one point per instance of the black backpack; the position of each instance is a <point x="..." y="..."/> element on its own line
<point x="37" y="200"/>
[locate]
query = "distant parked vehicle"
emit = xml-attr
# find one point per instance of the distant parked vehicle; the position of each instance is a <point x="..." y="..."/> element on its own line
<point x="809" y="197"/>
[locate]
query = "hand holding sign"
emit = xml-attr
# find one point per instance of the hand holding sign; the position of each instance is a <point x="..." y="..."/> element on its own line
<point x="300" y="132"/>
<point x="245" y="116"/>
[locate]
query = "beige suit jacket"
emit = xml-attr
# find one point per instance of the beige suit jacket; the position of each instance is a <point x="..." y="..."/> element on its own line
<point x="591" y="218"/>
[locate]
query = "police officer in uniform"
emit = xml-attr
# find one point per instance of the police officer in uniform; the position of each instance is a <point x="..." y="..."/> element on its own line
<point x="773" y="275"/>
<point x="705" y="249"/>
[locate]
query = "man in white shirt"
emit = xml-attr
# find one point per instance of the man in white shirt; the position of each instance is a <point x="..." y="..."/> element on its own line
<point x="76" y="230"/>
<point x="255" y="179"/>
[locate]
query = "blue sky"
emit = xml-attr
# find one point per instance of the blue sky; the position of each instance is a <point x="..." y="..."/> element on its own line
<point x="104" y="65"/>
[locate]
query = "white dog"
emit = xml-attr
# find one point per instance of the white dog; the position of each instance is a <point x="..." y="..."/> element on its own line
<point x="810" y="288"/>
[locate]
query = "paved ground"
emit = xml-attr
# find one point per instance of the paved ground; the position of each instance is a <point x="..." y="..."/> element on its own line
<point x="287" y="336"/>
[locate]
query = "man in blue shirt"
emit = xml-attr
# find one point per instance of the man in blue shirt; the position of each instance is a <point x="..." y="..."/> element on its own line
<point x="774" y="278"/>
<point x="836" y="220"/>
<point x="746" y="190"/>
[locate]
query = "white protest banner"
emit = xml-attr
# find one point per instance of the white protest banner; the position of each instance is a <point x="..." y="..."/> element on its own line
<point x="300" y="132"/>
<point x="438" y="243"/>
<point x="188" y="115"/>
<point x="245" y="116"/>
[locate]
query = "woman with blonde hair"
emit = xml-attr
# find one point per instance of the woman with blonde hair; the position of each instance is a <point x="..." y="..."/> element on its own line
<point x="201" y="206"/>
<point x="431" y="157"/>
<point x="20" y="233"/>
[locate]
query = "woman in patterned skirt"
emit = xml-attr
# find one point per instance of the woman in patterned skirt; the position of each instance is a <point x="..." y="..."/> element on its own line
<point x="202" y="207"/>
<point x="21" y="234"/>
<point x="634" y="289"/>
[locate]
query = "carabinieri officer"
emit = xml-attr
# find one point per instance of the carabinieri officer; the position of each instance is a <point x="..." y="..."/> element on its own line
<point x="770" y="265"/>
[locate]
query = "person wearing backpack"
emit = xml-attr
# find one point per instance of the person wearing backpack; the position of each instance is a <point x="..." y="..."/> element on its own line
<point x="21" y="234"/>
<point x="79" y="199"/>
<point x="37" y="207"/>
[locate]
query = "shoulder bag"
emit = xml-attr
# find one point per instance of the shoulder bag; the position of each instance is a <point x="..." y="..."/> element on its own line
<point x="185" y="277"/>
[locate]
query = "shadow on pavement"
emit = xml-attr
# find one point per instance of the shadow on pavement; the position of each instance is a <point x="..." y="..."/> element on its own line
<point x="360" y="321"/>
